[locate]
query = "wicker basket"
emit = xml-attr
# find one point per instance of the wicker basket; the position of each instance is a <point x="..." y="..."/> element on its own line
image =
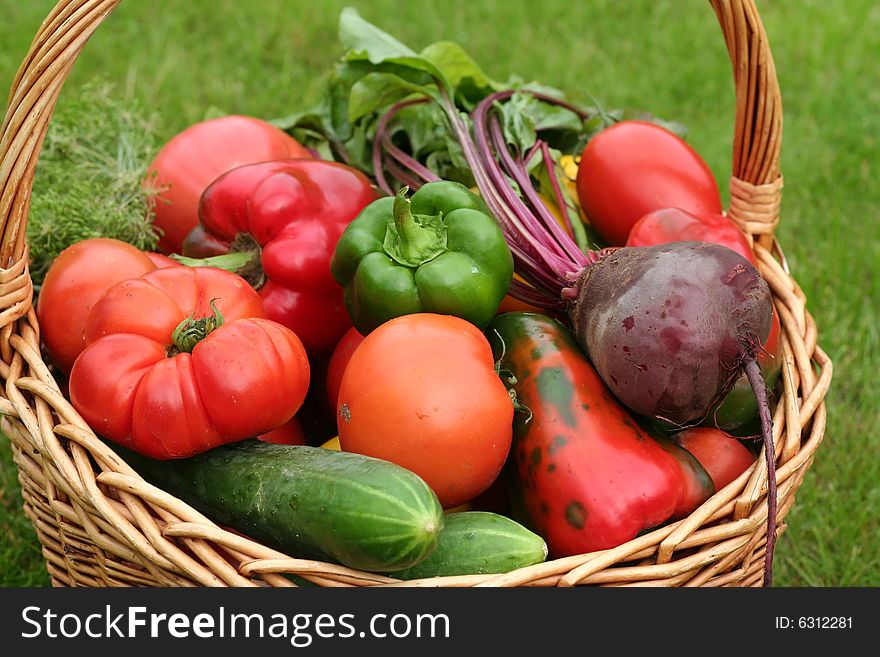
<point x="100" y="524"/>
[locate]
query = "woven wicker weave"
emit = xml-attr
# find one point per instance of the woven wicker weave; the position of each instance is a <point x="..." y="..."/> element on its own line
<point x="100" y="524"/>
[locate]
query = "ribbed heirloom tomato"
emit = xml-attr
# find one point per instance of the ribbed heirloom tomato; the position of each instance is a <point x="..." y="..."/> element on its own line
<point x="421" y="391"/>
<point x="182" y="359"/>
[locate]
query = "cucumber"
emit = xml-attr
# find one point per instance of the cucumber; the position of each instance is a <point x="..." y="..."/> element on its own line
<point x="476" y="543"/>
<point x="308" y="502"/>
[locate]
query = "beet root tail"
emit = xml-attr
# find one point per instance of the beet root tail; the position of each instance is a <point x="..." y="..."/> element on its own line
<point x="753" y="372"/>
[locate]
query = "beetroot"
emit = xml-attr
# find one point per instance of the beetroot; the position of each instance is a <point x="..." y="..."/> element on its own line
<point x="668" y="327"/>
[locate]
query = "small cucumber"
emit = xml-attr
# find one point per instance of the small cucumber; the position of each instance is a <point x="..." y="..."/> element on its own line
<point x="476" y="543"/>
<point x="309" y="502"/>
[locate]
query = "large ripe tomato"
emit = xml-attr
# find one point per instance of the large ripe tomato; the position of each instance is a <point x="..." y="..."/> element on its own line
<point x="724" y="457"/>
<point x="635" y="167"/>
<point x="421" y="391"/>
<point x="194" y="158"/>
<point x="164" y="375"/>
<point x="75" y="280"/>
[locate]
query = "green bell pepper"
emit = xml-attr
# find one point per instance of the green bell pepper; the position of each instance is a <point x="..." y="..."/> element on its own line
<point x="440" y="251"/>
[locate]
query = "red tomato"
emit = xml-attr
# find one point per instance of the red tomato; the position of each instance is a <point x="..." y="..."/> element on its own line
<point x="674" y="225"/>
<point x="635" y="167"/>
<point x="697" y="483"/>
<point x="724" y="457"/>
<point x="421" y="391"/>
<point x="75" y="280"/>
<point x="338" y="361"/>
<point x="194" y="158"/>
<point x="290" y="433"/>
<point x="169" y="394"/>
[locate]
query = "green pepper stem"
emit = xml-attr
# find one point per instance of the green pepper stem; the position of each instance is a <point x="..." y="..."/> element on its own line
<point x="417" y="243"/>
<point x="191" y="331"/>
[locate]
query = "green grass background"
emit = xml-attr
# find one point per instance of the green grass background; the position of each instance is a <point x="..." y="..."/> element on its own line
<point x="665" y="56"/>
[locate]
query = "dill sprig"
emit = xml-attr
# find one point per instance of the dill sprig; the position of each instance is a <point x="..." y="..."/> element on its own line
<point x="90" y="176"/>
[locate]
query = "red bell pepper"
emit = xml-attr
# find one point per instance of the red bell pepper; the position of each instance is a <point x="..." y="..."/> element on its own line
<point x="282" y="220"/>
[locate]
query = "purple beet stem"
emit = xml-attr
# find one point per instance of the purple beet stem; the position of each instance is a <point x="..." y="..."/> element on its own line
<point x="753" y="372"/>
<point x="561" y="245"/>
<point x="406" y="162"/>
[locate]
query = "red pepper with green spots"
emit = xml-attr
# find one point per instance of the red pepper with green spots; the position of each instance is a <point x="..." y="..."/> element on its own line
<point x="590" y="478"/>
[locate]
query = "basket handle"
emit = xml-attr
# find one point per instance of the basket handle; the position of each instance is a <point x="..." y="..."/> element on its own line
<point x="755" y="183"/>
